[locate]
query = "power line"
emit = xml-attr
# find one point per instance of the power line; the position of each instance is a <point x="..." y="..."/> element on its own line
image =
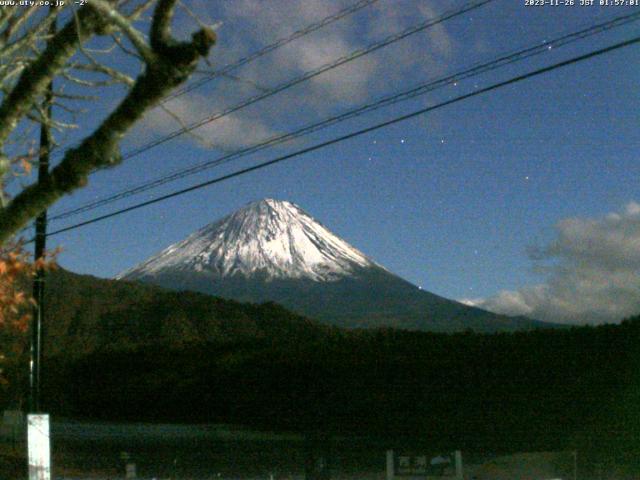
<point x="306" y="30"/>
<point x="501" y="61"/>
<point x="428" y="23"/>
<point x="476" y="69"/>
<point x="311" y="74"/>
<point x="357" y="133"/>
<point x="273" y="46"/>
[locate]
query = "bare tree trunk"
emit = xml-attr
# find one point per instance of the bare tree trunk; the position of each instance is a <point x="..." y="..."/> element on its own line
<point x="168" y="63"/>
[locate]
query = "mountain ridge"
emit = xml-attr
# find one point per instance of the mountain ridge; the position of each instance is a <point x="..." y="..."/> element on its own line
<point x="276" y="238"/>
<point x="273" y="250"/>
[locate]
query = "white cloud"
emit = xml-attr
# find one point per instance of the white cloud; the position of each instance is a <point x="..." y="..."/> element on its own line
<point x="441" y="41"/>
<point x="232" y="131"/>
<point x="249" y="25"/>
<point x="472" y="302"/>
<point x="348" y="83"/>
<point x="594" y="277"/>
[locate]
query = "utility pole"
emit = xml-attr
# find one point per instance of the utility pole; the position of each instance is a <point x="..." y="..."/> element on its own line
<point x="46" y="141"/>
<point x="39" y="251"/>
<point x="38" y="431"/>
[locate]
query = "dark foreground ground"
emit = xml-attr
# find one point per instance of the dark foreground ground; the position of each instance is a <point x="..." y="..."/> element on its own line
<point x="91" y="450"/>
<point x="96" y="450"/>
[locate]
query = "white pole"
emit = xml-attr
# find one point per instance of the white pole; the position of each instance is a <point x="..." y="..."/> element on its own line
<point x="38" y="446"/>
<point x="130" y="470"/>
<point x="458" y="464"/>
<point x="390" y="466"/>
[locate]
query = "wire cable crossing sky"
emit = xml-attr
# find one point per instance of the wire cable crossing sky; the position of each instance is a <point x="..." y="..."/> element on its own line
<point x="508" y="201"/>
<point x="387" y="123"/>
<point x="275" y="45"/>
<point x="311" y="74"/>
<point x="422" y="89"/>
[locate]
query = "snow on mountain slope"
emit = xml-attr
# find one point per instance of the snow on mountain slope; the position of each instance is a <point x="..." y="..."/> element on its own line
<point x="271" y="238"/>
<point x="273" y="251"/>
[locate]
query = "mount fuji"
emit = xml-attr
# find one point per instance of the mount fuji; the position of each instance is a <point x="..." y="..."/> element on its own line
<point x="272" y="250"/>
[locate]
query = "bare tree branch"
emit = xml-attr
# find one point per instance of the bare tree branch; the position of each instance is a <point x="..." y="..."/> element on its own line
<point x="116" y="75"/>
<point x="35" y="78"/>
<point x="171" y="64"/>
<point x="184" y="126"/>
<point x="118" y="41"/>
<point x="140" y="9"/>
<point x="136" y="38"/>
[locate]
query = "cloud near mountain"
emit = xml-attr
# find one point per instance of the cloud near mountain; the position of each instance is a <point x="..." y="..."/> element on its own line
<point x="592" y="273"/>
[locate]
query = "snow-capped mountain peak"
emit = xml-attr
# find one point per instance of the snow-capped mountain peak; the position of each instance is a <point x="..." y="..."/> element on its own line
<point x="271" y="238"/>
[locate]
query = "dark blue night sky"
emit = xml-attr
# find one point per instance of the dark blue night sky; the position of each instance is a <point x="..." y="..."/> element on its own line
<point x="521" y="200"/>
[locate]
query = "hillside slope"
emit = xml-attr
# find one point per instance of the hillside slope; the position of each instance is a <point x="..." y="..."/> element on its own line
<point x="273" y="250"/>
<point x="87" y="314"/>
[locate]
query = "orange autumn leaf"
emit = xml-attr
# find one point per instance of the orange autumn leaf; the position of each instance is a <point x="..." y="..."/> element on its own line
<point x="26" y="165"/>
<point x="15" y="267"/>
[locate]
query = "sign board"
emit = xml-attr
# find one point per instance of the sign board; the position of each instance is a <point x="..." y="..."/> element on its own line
<point x="13" y="417"/>
<point x="39" y="447"/>
<point x="405" y="464"/>
<point x="12" y="427"/>
<point x="424" y="465"/>
<point x="410" y="464"/>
